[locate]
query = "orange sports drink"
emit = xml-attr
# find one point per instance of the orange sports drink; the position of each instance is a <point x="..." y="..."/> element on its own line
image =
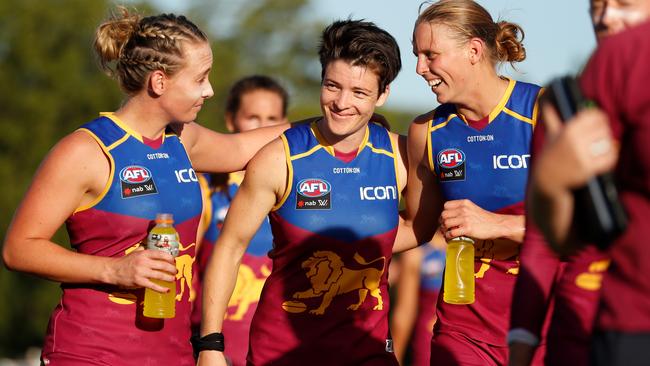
<point x="459" y="271"/>
<point x="163" y="237"/>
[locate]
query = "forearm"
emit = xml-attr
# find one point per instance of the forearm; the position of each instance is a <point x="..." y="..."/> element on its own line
<point x="510" y="227"/>
<point x="215" y="152"/>
<point x="406" y="237"/>
<point x="403" y="320"/>
<point x="46" y="259"/>
<point x="401" y="326"/>
<point x="218" y="285"/>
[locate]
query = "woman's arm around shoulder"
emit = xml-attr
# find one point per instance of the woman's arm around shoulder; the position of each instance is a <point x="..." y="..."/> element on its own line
<point x="215" y="152"/>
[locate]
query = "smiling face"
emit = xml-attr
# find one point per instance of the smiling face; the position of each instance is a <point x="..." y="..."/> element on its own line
<point x="257" y="108"/>
<point x="442" y="61"/>
<point x="612" y="16"/>
<point x="349" y="95"/>
<point x="189" y="87"/>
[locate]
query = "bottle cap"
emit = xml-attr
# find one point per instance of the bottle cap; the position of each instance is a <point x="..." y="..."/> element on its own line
<point x="164" y="218"/>
<point x="462" y="238"/>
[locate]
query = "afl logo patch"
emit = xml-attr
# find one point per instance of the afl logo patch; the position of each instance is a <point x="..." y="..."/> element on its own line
<point x="451" y="165"/>
<point x="314" y="187"/>
<point x="451" y="158"/>
<point x="136" y="181"/>
<point x="135" y="174"/>
<point x="313" y="194"/>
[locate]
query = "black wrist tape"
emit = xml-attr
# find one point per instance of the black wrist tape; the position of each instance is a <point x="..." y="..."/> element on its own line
<point x="210" y="342"/>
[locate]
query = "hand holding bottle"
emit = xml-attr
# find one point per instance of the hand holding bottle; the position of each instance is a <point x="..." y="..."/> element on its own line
<point x="164" y="238"/>
<point x="139" y="268"/>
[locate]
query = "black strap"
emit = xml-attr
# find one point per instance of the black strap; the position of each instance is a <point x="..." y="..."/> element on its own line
<point x="210" y="342"/>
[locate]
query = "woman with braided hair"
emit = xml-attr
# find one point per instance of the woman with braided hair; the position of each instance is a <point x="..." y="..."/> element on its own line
<point x="109" y="179"/>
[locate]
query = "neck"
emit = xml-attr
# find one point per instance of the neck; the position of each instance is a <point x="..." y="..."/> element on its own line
<point x="342" y="143"/>
<point x="144" y="116"/>
<point x="484" y="95"/>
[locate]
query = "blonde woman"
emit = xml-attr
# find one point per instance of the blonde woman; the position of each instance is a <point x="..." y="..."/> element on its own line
<point x="109" y="179"/>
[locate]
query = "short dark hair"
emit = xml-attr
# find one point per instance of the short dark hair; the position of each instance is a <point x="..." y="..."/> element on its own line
<point x="252" y="83"/>
<point x="361" y="43"/>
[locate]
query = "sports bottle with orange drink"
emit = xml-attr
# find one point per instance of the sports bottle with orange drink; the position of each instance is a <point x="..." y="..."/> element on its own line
<point x="163" y="237"/>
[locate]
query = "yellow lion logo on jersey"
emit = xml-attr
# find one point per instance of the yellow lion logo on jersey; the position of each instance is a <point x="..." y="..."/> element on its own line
<point x="247" y="290"/>
<point x="329" y="277"/>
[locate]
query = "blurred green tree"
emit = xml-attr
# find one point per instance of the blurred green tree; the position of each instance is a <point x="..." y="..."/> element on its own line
<point x="50" y="84"/>
<point x="261" y="37"/>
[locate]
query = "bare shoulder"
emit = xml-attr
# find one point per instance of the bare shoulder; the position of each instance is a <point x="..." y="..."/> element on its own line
<point x="77" y="147"/>
<point x="272" y="155"/>
<point x="73" y="173"/>
<point x="80" y="155"/>
<point x="417" y="139"/>
<point x="425" y="117"/>
<point x="419" y="127"/>
<point x="421" y="122"/>
<point x="267" y="171"/>
<point x="188" y="133"/>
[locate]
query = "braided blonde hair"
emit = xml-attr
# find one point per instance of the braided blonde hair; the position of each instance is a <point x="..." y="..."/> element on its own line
<point x="467" y="19"/>
<point x="130" y="47"/>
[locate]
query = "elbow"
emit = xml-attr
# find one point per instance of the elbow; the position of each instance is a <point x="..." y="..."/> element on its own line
<point x="13" y="256"/>
<point x="8" y="256"/>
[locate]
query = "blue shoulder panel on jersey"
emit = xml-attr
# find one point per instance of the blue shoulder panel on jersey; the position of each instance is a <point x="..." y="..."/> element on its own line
<point x="105" y="129"/>
<point x="523" y="102"/>
<point x="300" y="139"/>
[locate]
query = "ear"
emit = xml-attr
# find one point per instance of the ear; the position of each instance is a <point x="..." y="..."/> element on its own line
<point x="383" y="96"/>
<point x="158" y="82"/>
<point x="230" y="124"/>
<point x="476" y="50"/>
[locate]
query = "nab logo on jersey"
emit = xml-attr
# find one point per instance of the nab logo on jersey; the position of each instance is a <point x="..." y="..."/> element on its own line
<point x="135" y="174"/>
<point x="451" y="165"/>
<point x="451" y="158"/>
<point x="136" y="181"/>
<point x="313" y="194"/>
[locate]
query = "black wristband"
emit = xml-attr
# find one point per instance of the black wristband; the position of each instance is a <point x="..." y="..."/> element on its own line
<point x="210" y="342"/>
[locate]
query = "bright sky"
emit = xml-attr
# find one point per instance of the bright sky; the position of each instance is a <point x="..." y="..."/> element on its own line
<point x="559" y="38"/>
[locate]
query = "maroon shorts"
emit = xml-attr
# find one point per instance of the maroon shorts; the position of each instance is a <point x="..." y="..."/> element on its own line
<point x="451" y="349"/>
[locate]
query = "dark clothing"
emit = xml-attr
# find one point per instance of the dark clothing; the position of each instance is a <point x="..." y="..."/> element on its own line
<point x="620" y="349"/>
<point x="617" y="79"/>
